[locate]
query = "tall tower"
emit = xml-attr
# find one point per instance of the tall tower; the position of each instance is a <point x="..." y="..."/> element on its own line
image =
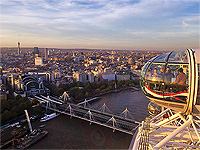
<point x="36" y="51"/>
<point x="46" y="53"/>
<point x="18" y="48"/>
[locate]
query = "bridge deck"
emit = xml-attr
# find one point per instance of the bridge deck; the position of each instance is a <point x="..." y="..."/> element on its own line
<point x="93" y="116"/>
<point x="92" y="121"/>
<point x="88" y="100"/>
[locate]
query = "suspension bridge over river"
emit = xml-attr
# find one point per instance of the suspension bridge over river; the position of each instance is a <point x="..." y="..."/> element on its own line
<point x="123" y="122"/>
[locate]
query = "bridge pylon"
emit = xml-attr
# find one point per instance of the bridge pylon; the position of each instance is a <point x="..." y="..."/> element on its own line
<point x="48" y="105"/>
<point x="104" y="108"/>
<point x="65" y="96"/>
<point x="126" y="114"/>
<point x="70" y="110"/>
<point x="85" y="103"/>
<point x="48" y="102"/>
<point x="114" y="122"/>
<point x="90" y="116"/>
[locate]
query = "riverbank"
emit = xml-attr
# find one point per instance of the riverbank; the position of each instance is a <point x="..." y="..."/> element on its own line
<point x="118" y="90"/>
<point x="133" y="89"/>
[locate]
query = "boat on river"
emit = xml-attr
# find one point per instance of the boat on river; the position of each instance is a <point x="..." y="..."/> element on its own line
<point x="48" y="117"/>
<point x="29" y="139"/>
<point x="10" y="133"/>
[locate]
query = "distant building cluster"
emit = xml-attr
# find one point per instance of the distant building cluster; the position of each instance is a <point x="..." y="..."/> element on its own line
<point x="25" y="84"/>
<point x="26" y="68"/>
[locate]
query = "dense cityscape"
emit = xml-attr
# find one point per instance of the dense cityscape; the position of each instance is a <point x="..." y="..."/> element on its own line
<point x="67" y="66"/>
<point x="57" y="69"/>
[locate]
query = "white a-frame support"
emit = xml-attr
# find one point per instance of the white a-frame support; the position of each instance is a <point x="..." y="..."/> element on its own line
<point x="177" y="132"/>
<point x="179" y="129"/>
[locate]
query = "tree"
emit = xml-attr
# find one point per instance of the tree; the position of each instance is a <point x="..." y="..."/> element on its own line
<point x="14" y="111"/>
<point x="22" y="100"/>
<point x="109" y="88"/>
<point x="86" y="94"/>
<point x="102" y="87"/>
<point x="132" y="84"/>
<point x="87" y="86"/>
<point x="34" y="101"/>
<point x="5" y="116"/>
<point x="94" y="85"/>
<point x="37" y="110"/>
<point x="80" y="96"/>
<point x="5" y="105"/>
<point x="27" y="104"/>
<point x="97" y="91"/>
<point x="80" y="84"/>
<point x="10" y="95"/>
<point x="104" y="90"/>
<point x="111" y="83"/>
<point x="18" y="97"/>
<point x="74" y="91"/>
<point x="57" y="91"/>
<point x="100" y="83"/>
<point x="21" y="108"/>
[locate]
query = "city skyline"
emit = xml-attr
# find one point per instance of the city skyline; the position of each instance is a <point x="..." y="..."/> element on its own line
<point x="103" y="24"/>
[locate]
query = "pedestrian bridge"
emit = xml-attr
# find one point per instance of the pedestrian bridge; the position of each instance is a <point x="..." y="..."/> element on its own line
<point x="103" y="116"/>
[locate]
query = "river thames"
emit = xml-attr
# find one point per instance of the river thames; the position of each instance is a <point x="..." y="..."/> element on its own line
<point x="66" y="133"/>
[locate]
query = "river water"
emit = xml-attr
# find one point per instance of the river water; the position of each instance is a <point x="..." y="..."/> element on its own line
<point x="116" y="103"/>
<point x="66" y="133"/>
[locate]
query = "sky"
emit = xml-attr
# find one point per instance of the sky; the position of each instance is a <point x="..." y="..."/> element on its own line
<point x="101" y="24"/>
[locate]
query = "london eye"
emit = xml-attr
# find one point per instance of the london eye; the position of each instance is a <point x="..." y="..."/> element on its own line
<point x="171" y="82"/>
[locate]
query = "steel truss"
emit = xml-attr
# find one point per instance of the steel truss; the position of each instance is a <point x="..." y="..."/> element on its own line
<point x="174" y="132"/>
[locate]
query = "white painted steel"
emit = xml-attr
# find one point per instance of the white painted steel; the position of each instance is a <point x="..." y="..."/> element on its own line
<point x="162" y="113"/>
<point x="173" y="134"/>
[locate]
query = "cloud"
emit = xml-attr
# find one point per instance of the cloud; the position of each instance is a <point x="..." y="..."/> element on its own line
<point x="191" y="21"/>
<point x="89" y="12"/>
<point x="185" y="24"/>
<point x="99" y="19"/>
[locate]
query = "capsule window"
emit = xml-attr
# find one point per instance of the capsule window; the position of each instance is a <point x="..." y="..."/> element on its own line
<point x="176" y="74"/>
<point x="176" y="82"/>
<point x="179" y="57"/>
<point x="155" y="72"/>
<point x="154" y="79"/>
<point x="144" y="69"/>
<point x="162" y="58"/>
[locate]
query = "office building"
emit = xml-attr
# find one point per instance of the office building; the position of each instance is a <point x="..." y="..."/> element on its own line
<point x="38" y="61"/>
<point x="36" y="51"/>
<point x="18" y="48"/>
<point x="46" y="53"/>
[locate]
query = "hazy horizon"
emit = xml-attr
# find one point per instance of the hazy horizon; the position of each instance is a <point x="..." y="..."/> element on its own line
<point x="56" y="48"/>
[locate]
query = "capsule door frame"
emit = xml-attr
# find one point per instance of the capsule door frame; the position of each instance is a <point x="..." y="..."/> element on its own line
<point x="193" y="81"/>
